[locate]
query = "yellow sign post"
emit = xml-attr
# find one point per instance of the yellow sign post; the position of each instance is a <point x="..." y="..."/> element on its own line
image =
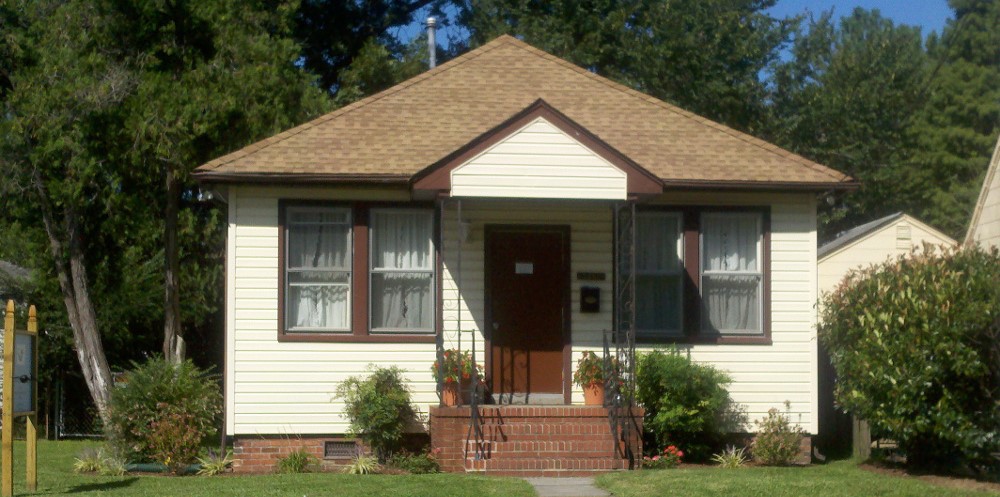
<point x="7" y="430"/>
<point x="20" y="363"/>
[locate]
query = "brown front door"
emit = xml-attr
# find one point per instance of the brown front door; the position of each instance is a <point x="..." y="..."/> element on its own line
<point x="527" y="285"/>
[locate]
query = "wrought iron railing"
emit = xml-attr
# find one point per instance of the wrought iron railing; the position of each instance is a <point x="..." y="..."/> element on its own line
<point x="619" y="364"/>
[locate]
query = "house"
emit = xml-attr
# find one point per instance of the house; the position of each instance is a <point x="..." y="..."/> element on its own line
<point x="985" y="225"/>
<point x="873" y="243"/>
<point x="866" y="245"/>
<point x="510" y="203"/>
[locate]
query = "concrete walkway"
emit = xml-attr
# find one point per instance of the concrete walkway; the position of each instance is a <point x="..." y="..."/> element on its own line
<point x="566" y="487"/>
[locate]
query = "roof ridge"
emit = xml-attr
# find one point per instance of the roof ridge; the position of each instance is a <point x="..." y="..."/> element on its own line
<point x="392" y="90"/>
<point x="744" y="137"/>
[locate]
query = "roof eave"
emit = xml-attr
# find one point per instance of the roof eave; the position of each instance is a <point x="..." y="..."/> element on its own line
<point x="777" y="186"/>
<point x="301" y="178"/>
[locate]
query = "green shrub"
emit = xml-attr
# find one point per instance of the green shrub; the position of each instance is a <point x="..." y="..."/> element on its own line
<point x="299" y="461"/>
<point x="378" y="408"/>
<point x="89" y="460"/>
<point x="363" y="465"/>
<point x="778" y="441"/>
<point x="916" y="346"/>
<point x="215" y="463"/>
<point x="731" y="458"/>
<point x="163" y="413"/>
<point x="417" y="464"/>
<point x="686" y="403"/>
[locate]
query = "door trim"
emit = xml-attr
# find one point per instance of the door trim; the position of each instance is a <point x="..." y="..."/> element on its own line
<point x="564" y="231"/>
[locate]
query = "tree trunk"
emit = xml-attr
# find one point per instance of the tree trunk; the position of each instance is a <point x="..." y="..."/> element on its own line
<point x="72" y="275"/>
<point x="173" y="340"/>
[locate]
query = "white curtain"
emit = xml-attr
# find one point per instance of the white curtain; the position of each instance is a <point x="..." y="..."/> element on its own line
<point x="731" y="274"/>
<point x="658" y="273"/>
<point x="402" y="270"/>
<point x="318" y="267"/>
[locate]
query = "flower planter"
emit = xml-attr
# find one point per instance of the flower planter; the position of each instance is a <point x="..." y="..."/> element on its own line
<point x="593" y="394"/>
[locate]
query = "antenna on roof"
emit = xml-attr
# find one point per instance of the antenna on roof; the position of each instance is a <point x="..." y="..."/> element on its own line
<point x="431" y="42"/>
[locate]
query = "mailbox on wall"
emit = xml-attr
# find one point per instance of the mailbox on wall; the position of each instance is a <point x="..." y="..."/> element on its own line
<point x="590" y="299"/>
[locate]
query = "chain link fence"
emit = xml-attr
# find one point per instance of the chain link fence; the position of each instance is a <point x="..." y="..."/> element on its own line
<point x="76" y="415"/>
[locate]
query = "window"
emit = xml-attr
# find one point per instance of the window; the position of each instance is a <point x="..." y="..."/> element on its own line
<point x="318" y="269"/>
<point x="659" y="260"/>
<point x="356" y="273"/>
<point x="402" y="271"/>
<point x="731" y="276"/>
<point x="701" y="274"/>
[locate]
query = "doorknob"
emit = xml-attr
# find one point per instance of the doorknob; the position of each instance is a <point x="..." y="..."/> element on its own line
<point x="495" y="325"/>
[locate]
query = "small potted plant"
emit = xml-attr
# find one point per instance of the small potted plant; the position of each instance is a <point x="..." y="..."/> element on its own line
<point x="454" y="373"/>
<point x="590" y="375"/>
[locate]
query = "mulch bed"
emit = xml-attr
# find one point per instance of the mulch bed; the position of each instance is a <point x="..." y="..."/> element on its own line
<point x="958" y="482"/>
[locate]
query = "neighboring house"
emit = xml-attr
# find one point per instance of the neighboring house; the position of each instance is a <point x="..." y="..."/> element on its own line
<point x="985" y="226"/>
<point x="866" y="245"/>
<point x="873" y="243"/>
<point x="487" y="195"/>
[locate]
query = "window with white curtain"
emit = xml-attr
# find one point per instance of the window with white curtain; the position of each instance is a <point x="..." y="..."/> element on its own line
<point x="659" y="260"/>
<point x="401" y="270"/>
<point x="731" y="272"/>
<point x="318" y="269"/>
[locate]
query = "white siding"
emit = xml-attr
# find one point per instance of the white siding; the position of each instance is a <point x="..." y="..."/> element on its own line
<point x="877" y="247"/>
<point x="288" y="388"/>
<point x="539" y="161"/>
<point x="985" y="228"/>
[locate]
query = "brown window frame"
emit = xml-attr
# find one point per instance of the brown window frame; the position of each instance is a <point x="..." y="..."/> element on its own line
<point x="360" y="331"/>
<point x="691" y="318"/>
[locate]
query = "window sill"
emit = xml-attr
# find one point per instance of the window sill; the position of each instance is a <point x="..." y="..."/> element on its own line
<point x="349" y="338"/>
<point x="707" y="340"/>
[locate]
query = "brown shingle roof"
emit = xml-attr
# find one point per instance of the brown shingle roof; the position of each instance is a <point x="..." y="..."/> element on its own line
<point x="405" y="129"/>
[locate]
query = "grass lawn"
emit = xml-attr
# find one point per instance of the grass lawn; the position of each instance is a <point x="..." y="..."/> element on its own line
<point x="837" y="479"/>
<point x="56" y="477"/>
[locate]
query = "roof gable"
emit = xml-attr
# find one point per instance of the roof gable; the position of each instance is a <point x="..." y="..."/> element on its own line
<point x="987" y="210"/>
<point x="393" y="135"/>
<point x="539" y="153"/>
<point x="865" y="231"/>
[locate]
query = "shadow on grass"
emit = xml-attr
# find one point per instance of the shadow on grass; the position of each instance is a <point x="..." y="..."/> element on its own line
<point x="102" y="487"/>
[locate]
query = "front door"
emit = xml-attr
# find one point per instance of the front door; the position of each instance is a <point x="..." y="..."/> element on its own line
<point x="527" y="290"/>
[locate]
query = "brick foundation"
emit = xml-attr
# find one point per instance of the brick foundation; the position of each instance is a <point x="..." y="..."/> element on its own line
<point x="531" y="440"/>
<point x="260" y="454"/>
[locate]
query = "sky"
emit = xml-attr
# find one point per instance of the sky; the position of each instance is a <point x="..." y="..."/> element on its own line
<point x="930" y="15"/>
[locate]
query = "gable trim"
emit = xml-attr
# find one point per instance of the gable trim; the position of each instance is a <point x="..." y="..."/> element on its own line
<point x="879" y="226"/>
<point x="977" y="213"/>
<point x="437" y="177"/>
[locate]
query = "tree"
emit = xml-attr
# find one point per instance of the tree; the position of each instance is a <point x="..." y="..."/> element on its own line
<point x="847" y="98"/>
<point x="212" y="76"/>
<point x="705" y="56"/>
<point x="334" y="33"/>
<point x="958" y="126"/>
<point x="110" y="105"/>
<point x="375" y="68"/>
<point x="63" y="91"/>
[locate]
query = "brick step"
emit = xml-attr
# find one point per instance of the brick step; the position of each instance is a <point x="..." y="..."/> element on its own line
<point x="552" y="465"/>
<point x="534" y="449"/>
<point x="494" y="431"/>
